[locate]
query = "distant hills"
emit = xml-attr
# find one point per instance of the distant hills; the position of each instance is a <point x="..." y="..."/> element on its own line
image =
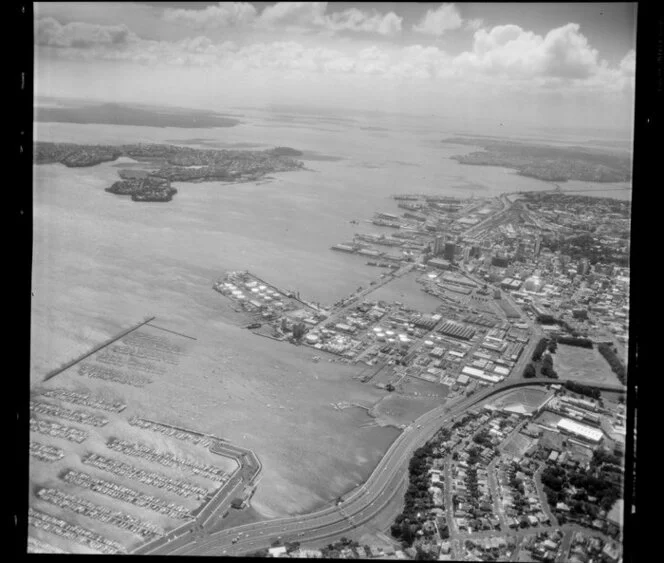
<point x="549" y="163"/>
<point x="122" y="114"/>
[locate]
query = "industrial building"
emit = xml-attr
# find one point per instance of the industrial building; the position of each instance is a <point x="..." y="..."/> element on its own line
<point x="582" y="431"/>
<point x="479" y="374"/>
<point x="456" y="330"/>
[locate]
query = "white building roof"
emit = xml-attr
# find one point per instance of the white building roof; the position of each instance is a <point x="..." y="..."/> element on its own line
<point x="587" y="432"/>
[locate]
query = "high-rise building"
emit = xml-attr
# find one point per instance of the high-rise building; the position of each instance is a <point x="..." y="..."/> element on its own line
<point x="450" y="250"/>
<point x="438" y="245"/>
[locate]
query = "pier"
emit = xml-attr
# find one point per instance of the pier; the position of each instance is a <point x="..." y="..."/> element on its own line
<point x="115" y="338"/>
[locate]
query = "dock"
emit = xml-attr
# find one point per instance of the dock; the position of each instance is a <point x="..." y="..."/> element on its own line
<point x="115" y="338"/>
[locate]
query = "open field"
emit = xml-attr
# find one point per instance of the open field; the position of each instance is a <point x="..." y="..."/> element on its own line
<point x="517" y="445"/>
<point x="397" y="409"/>
<point x="582" y="365"/>
<point x="527" y="399"/>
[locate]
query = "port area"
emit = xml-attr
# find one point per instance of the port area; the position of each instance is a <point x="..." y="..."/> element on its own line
<point x="480" y="262"/>
<point x="467" y="341"/>
<point x="105" y="475"/>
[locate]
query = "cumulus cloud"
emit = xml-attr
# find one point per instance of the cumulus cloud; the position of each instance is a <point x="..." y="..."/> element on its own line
<point x="50" y="33"/>
<point x="305" y="14"/>
<point x="439" y="21"/>
<point x="628" y="64"/>
<point x="508" y="49"/>
<point x="301" y="16"/>
<point x="225" y="14"/>
<point x="356" y="20"/>
<point x="504" y="57"/>
<point x="474" y="24"/>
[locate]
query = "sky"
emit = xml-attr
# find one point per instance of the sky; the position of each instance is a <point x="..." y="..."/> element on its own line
<point x="560" y="65"/>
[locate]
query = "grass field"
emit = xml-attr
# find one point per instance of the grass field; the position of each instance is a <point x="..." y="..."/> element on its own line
<point x="583" y="365"/>
<point x="529" y="398"/>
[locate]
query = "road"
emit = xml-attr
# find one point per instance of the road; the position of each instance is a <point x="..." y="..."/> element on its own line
<point x="361" y="506"/>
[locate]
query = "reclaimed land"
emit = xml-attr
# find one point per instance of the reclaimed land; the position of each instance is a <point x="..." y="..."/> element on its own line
<point x="175" y="164"/>
<point x="549" y="163"/>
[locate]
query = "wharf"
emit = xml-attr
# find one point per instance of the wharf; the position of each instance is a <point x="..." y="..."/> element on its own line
<point x="115" y="338"/>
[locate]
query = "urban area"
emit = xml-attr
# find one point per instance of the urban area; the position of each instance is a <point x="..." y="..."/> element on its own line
<point x="525" y="462"/>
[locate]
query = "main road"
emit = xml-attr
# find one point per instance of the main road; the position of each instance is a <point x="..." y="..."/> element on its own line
<point x="362" y="505"/>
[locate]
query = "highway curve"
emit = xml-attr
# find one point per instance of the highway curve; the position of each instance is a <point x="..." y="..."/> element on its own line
<point x="360" y="506"/>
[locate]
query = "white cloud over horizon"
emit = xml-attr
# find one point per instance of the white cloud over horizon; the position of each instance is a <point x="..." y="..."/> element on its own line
<point x="498" y="64"/>
<point x="293" y="16"/>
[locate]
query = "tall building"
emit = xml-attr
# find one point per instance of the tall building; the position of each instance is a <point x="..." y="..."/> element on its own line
<point x="450" y="249"/>
<point x="438" y="245"/>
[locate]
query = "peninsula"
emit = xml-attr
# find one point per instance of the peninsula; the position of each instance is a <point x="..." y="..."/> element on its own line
<point x="549" y="163"/>
<point x="169" y="163"/>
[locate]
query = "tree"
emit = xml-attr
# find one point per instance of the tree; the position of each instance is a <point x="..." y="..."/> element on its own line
<point x="406" y="532"/>
<point x="529" y="371"/>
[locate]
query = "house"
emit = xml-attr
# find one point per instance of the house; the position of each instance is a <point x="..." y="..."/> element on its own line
<point x="277" y="551"/>
<point x="361" y="552"/>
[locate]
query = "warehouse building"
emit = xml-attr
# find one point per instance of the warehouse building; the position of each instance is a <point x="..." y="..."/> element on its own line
<point x="479" y="374"/>
<point x="582" y="431"/>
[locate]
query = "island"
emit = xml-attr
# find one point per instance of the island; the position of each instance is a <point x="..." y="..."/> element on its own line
<point x="169" y="163"/>
<point x="549" y="163"/>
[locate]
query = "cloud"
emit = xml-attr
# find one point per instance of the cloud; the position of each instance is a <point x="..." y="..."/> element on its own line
<point x="628" y="64"/>
<point x="49" y="32"/>
<point x="304" y="14"/>
<point x="294" y="16"/>
<point x="510" y="50"/>
<point x="474" y="24"/>
<point x="503" y="58"/>
<point x="225" y="14"/>
<point x="356" y="20"/>
<point x="439" y="21"/>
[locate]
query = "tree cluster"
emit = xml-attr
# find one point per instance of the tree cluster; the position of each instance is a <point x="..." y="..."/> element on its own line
<point x="417" y="498"/>
<point x="616" y="364"/>
<point x="603" y="486"/>
<point x="547" y="367"/>
<point x="539" y="349"/>
<point x="571" y="341"/>
<point x="529" y="371"/>
<point x="581" y="389"/>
